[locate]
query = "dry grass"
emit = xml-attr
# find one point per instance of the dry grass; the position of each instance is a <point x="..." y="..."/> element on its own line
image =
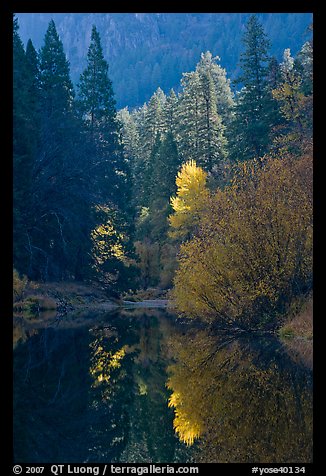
<point x="301" y="325"/>
<point x="35" y="304"/>
<point x="73" y="292"/>
<point x="300" y="350"/>
<point x="146" y="294"/>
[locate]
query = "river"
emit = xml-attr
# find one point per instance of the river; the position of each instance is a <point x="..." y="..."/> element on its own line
<point x="140" y="386"/>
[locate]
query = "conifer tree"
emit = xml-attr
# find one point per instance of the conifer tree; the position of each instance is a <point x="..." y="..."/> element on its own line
<point x="22" y="154"/>
<point x="153" y="122"/>
<point x="223" y="93"/>
<point x="170" y="112"/>
<point x="212" y="141"/>
<point x="188" y="114"/>
<point x="96" y="104"/>
<point x="200" y="133"/>
<point x="96" y="98"/>
<point x="112" y="213"/>
<point x="250" y="132"/>
<point x="295" y="106"/>
<point x="56" y="87"/>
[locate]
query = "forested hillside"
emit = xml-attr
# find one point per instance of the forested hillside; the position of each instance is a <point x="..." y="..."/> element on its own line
<point x="146" y="50"/>
<point x="206" y="189"/>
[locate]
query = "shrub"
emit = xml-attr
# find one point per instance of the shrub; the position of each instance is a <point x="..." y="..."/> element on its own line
<point x="19" y="286"/>
<point x="253" y="252"/>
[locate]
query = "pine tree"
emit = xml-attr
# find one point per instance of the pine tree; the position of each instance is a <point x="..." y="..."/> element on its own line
<point x="111" y="170"/>
<point x="304" y="66"/>
<point x="188" y="114"/>
<point x="170" y="112"/>
<point x="200" y="134"/>
<point x="95" y="91"/>
<point x="56" y="87"/>
<point x="160" y="179"/>
<point x="223" y="93"/>
<point x="295" y="107"/>
<point x="250" y="132"/>
<point x="153" y="122"/>
<point x="59" y="231"/>
<point x="212" y="141"/>
<point x="96" y="104"/>
<point x="22" y="155"/>
<point x="165" y="169"/>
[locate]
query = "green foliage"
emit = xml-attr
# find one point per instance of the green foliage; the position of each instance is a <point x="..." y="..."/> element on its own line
<point x="56" y="87"/>
<point x="64" y="166"/>
<point x="89" y="181"/>
<point x="148" y="50"/>
<point x="254" y="114"/>
<point x="294" y="96"/>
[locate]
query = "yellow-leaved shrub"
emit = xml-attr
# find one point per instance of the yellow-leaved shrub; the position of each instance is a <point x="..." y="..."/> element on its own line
<point x="253" y="251"/>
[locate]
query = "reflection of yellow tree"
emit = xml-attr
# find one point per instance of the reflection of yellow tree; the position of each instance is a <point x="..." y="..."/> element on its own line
<point x="241" y="401"/>
<point x="104" y="364"/>
<point x="21" y="333"/>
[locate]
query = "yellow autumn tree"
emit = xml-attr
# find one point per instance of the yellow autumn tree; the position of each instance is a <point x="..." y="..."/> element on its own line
<point x="254" y="250"/>
<point x="189" y="203"/>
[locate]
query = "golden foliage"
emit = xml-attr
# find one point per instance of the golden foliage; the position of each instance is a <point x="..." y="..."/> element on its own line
<point x="19" y="286"/>
<point x="104" y="361"/>
<point x="254" y="248"/>
<point x="190" y="200"/>
<point x="107" y="242"/>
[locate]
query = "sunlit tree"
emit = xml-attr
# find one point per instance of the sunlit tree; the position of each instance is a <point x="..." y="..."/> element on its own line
<point x="190" y="200"/>
<point x="253" y="251"/>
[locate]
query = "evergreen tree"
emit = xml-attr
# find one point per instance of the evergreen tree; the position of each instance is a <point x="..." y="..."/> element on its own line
<point x="170" y="112"/>
<point x="295" y="106"/>
<point x="153" y="122"/>
<point x="56" y="87"/>
<point x="113" y="213"/>
<point x="165" y="168"/>
<point x="22" y="154"/>
<point x="60" y="195"/>
<point x="188" y="113"/>
<point x="250" y="132"/>
<point x="274" y="79"/>
<point x="223" y="93"/>
<point x="96" y="104"/>
<point x="33" y="75"/>
<point x="304" y="66"/>
<point x="212" y="141"/>
<point x="96" y="98"/>
<point x="200" y="133"/>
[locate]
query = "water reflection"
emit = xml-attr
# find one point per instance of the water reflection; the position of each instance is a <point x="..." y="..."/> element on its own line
<point x="95" y="392"/>
<point x="140" y="387"/>
<point x="240" y="400"/>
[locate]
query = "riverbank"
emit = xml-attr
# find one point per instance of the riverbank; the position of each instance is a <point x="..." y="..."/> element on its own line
<point x="63" y="297"/>
<point x="300" y="321"/>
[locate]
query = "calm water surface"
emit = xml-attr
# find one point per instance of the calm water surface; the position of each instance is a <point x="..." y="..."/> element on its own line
<point x="139" y="386"/>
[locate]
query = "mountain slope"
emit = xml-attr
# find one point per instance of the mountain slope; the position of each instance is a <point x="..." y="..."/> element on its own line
<point x="147" y="50"/>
